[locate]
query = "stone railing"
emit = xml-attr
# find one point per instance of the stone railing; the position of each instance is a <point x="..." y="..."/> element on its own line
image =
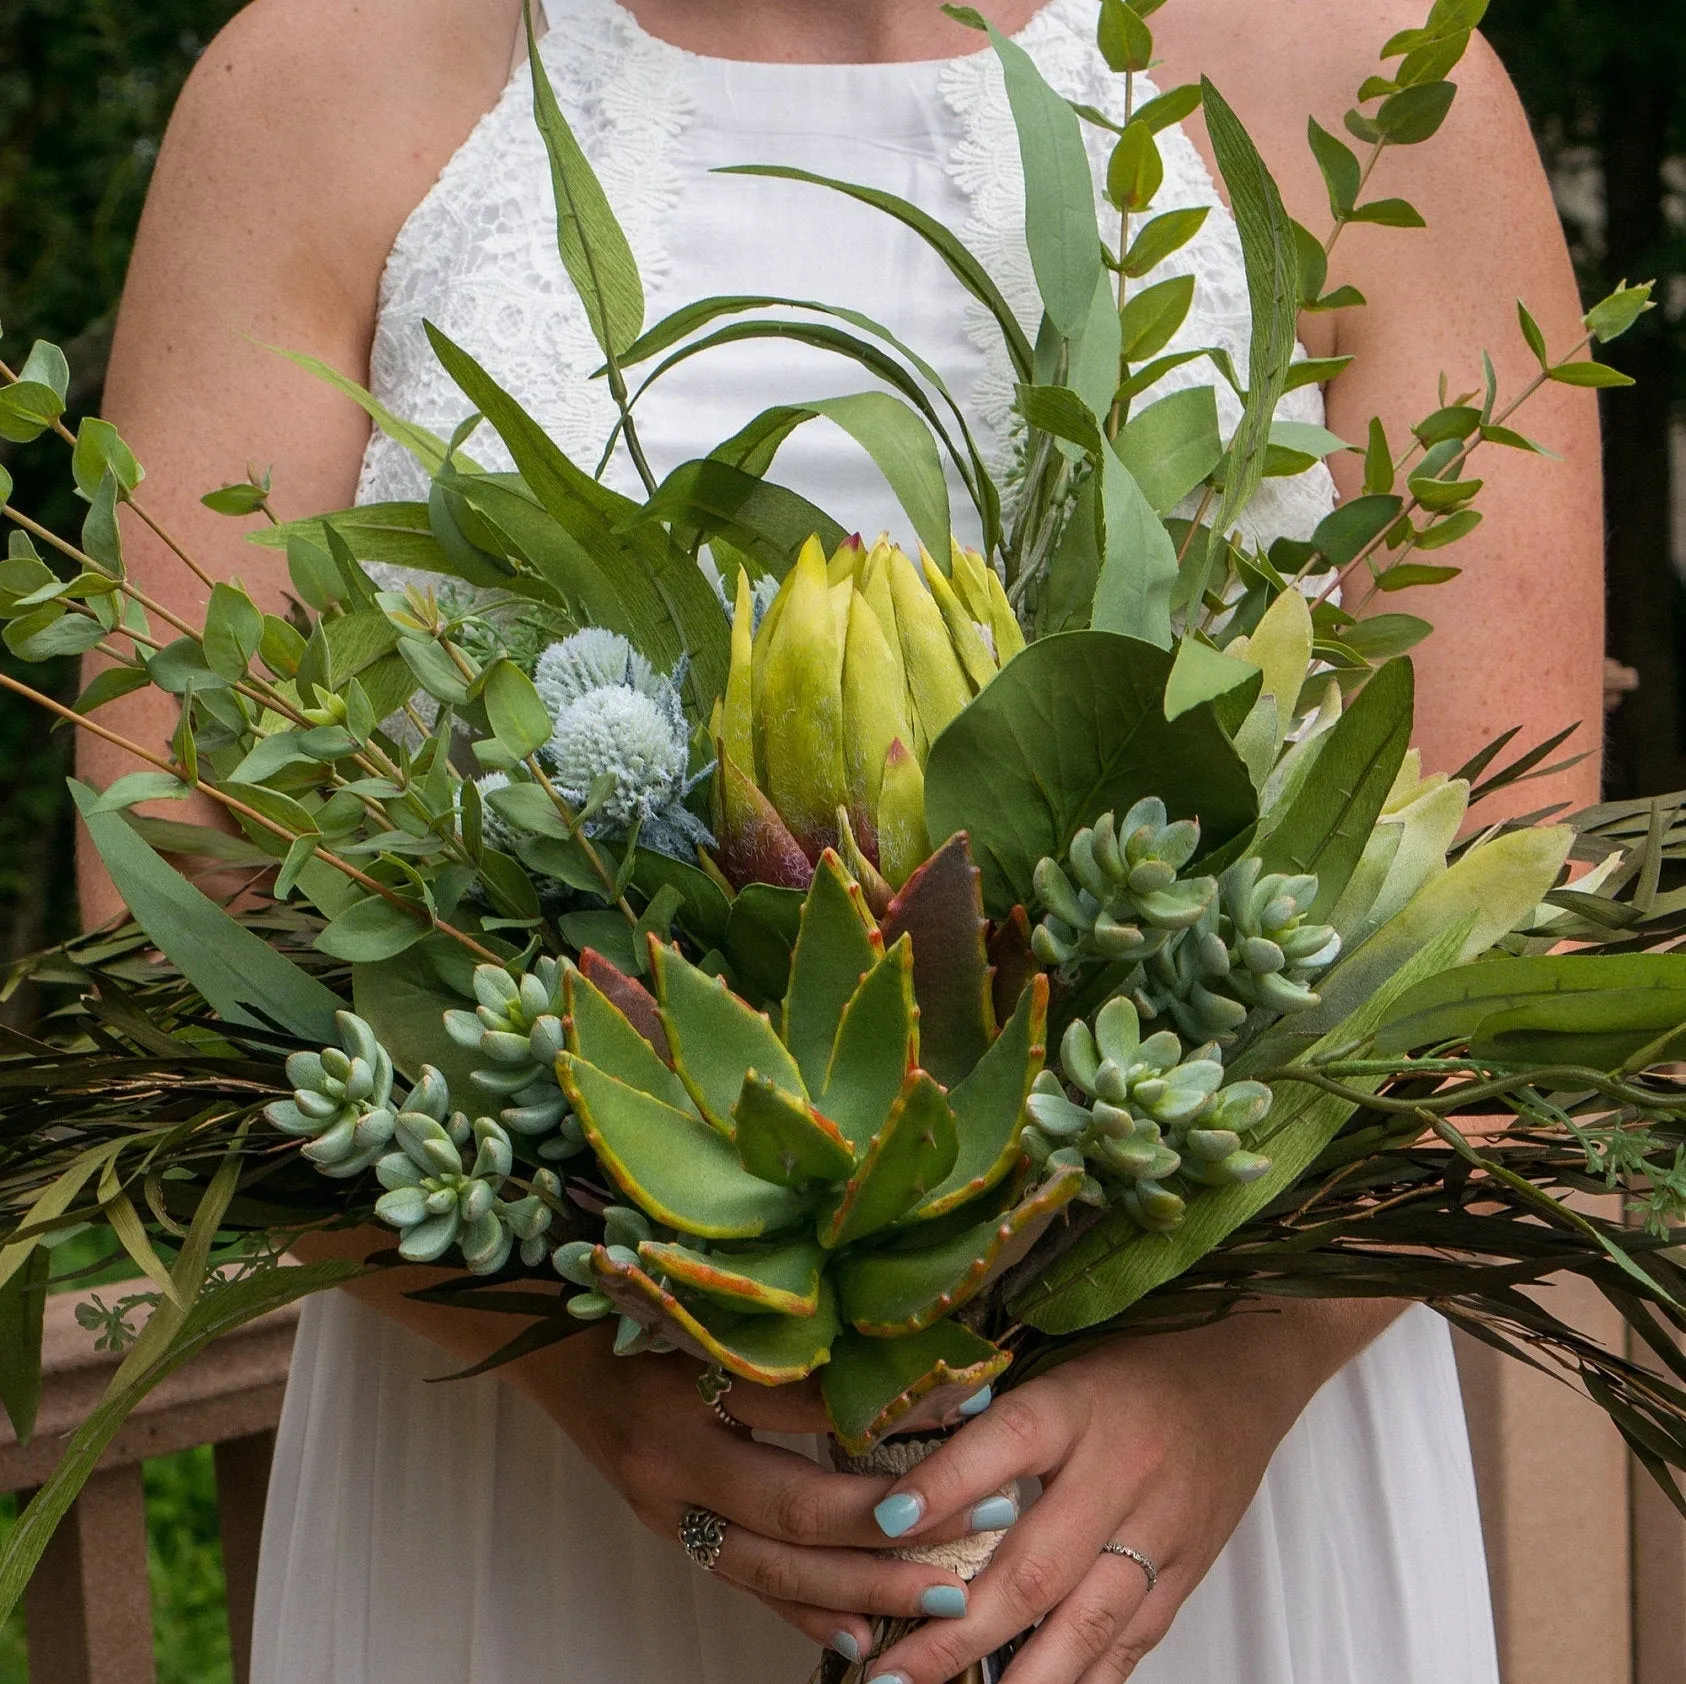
<point x="88" y="1610"/>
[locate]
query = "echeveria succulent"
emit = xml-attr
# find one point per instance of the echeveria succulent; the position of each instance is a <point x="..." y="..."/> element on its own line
<point x="342" y="1100"/>
<point x="833" y="1187"/>
<point x="1206" y="950"/>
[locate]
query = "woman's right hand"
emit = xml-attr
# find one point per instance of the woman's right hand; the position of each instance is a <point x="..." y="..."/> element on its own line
<point x="800" y="1537"/>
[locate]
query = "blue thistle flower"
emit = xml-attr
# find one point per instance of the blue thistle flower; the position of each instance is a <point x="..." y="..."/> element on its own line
<point x="613" y="713"/>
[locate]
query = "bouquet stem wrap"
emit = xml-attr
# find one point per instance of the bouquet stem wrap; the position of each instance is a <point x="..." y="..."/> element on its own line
<point x="966" y="1557"/>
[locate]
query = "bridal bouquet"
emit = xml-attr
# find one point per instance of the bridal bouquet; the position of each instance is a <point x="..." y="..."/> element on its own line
<point x="823" y="957"/>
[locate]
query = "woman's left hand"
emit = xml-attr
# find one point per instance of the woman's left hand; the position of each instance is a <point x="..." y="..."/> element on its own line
<point x="1157" y="1443"/>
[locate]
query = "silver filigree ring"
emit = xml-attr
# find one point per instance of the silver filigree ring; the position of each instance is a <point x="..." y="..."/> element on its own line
<point x="703" y="1532"/>
<point x="1142" y="1561"/>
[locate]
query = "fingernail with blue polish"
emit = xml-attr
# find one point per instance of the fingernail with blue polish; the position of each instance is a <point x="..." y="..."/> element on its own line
<point x="943" y="1602"/>
<point x="977" y="1403"/>
<point x="888" y="1678"/>
<point x="845" y="1645"/>
<point x="993" y="1514"/>
<point x="899" y="1514"/>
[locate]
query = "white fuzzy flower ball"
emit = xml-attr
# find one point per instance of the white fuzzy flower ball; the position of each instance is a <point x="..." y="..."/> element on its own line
<point x="628" y="734"/>
<point x="593" y="659"/>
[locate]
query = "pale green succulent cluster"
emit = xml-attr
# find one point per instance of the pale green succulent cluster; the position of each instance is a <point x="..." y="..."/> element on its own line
<point x="1252" y="948"/>
<point x="1207" y="950"/>
<point x="1148" y="1113"/>
<point x="624" y="1231"/>
<point x="342" y="1101"/>
<point x="516" y="1027"/>
<point x="1127" y="901"/>
<point x="436" y="1196"/>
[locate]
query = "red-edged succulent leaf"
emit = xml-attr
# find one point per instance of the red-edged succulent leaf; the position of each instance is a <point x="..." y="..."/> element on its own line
<point x="716" y="1038"/>
<point x="896" y="1291"/>
<point x="600" y="1033"/>
<point x="941" y="907"/>
<point x="785" y="1140"/>
<point x="1012" y="961"/>
<point x="877" y="1045"/>
<point x="859" y="860"/>
<point x="836" y="945"/>
<point x="874" y="1387"/>
<point x="631" y="998"/>
<point x="771" y="1350"/>
<point x="671" y="1163"/>
<point x="989" y="1105"/>
<point x="752" y="843"/>
<point x="780" y="1280"/>
<point x="903" y="1162"/>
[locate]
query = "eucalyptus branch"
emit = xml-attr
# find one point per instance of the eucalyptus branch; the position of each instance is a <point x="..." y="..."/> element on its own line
<point x="576" y="829"/>
<point x="1115" y="416"/>
<point x="181" y="555"/>
<point x="1414" y="505"/>
<point x="238" y="807"/>
<point x="1342" y="223"/>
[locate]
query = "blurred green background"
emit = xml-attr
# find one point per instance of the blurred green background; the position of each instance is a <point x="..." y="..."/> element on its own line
<point x="85" y="89"/>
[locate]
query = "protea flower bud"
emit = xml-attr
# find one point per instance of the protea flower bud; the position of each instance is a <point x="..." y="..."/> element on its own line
<point x="832" y="704"/>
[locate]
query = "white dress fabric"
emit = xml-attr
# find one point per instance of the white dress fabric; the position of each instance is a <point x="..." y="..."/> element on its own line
<point x="442" y="1534"/>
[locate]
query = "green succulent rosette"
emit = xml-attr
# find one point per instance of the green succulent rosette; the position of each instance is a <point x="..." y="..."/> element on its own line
<point x="831" y="1184"/>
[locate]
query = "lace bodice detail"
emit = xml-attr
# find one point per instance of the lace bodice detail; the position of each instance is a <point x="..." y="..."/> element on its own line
<point x="478" y="256"/>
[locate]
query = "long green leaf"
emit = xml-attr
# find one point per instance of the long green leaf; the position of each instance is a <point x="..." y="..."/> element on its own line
<point x="965" y="268"/>
<point x="1330" y="820"/>
<point x="1061" y="226"/>
<point x="594" y="249"/>
<point x="427" y="448"/>
<point x="768" y="522"/>
<point x="1272" y="263"/>
<point x="241" y="977"/>
<point x="23" y="1302"/>
<point x="51" y="1203"/>
<point x="218" y="1313"/>
<point x="395" y="533"/>
<point x="188" y="1277"/>
<point x="1486" y="892"/>
<point x="967" y="458"/>
<point x="905" y="453"/>
<point x="671" y="610"/>
<point x="1138" y="561"/>
<point x="1074" y="727"/>
<point x="894" y="437"/>
<point x="1454" y="1005"/>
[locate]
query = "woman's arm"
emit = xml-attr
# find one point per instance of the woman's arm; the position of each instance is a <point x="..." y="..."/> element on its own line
<point x="301" y="141"/>
<point x="1122" y="1437"/>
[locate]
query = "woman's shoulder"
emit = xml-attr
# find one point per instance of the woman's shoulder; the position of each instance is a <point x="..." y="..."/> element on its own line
<point x="334" y="118"/>
<point x="1279" y="64"/>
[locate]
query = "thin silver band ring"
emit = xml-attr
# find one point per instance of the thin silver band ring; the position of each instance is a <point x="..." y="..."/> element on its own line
<point x="1142" y="1561"/>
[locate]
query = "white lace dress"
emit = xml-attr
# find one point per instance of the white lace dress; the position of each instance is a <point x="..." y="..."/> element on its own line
<point x="440" y="1534"/>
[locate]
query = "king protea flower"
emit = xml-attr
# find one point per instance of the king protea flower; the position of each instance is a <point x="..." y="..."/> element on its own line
<point x="832" y="704"/>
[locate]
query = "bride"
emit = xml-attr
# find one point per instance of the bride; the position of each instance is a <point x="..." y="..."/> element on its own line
<point x="340" y="170"/>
